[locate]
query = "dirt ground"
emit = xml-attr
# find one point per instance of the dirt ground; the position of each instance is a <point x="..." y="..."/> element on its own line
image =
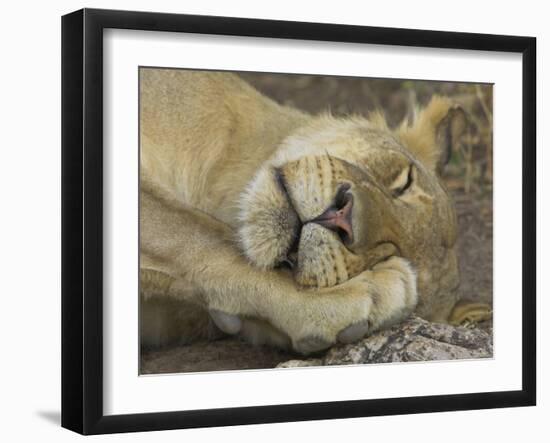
<point x="468" y="177"/>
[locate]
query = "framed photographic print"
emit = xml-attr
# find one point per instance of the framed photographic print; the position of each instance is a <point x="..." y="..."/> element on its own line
<point x="273" y="221"/>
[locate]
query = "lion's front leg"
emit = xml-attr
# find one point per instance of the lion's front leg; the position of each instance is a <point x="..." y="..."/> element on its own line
<point x="372" y="300"/>
<point x="315" y="319"/>
<point x="195" y="252"/>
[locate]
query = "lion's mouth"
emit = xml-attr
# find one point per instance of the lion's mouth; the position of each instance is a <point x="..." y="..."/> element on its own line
<point x="291" y="257"/>
<point x="300" y="216"/>
<point x="336" y="218"/>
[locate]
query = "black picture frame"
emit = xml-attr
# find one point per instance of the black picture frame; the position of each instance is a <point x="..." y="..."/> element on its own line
<point x="82" y="219"/>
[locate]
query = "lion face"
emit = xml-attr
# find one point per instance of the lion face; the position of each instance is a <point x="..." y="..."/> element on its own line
<point x="342" y="194"/>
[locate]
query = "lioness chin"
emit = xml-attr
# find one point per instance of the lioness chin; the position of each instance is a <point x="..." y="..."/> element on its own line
<point x="286" y="228"/>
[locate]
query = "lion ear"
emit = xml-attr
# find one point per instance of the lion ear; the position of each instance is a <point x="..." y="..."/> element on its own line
<point x="435" y="133"/>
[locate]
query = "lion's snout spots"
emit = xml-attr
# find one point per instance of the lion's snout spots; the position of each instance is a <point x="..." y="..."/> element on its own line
<point x="320" y="193"/>
<point x="312" y="183"/>
<point x="323" y="260"/>
<point x="302" y="219"/>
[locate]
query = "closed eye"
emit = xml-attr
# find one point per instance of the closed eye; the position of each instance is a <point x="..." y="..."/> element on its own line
<point x="403" y="182"/>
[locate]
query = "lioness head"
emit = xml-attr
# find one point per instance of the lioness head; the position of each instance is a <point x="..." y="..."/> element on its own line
<point x="342" y="193"/>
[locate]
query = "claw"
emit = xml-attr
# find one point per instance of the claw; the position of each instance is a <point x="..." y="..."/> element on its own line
<point x="354" y="332"/>
<point x="228" y="323"/>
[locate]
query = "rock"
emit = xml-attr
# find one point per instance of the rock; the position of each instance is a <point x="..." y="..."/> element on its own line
<point x="413" y="340"/>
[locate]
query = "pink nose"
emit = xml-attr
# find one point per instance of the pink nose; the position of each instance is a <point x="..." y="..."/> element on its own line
<point x="338" y="220"/>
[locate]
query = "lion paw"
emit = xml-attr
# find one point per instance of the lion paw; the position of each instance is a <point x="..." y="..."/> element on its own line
<point x="470" y="313"/>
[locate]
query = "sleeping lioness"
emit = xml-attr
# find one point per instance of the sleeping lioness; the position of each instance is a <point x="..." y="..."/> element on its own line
<point x="286" y="228"/>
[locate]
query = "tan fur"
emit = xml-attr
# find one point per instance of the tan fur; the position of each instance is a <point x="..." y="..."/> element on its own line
<point x="216" y="221"/>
